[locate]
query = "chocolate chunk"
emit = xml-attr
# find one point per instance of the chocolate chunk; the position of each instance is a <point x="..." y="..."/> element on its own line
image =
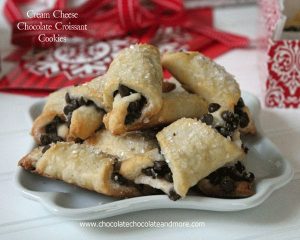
<point x="238" y="111"/>
<point x="74" y="102"/>
<point x="57" y="120"/>
<point x="150" y="172"/>
<point x="227" y="116"/>
<point x="160" y="169"/>
<point x="240" y="103"/>
<point x="244" y="120"/>
<point x="67" y="98"/>
<point x="214" y="177"/>
<point x="230" y="127"/>
<point x="249" y="176"/>
<point x="51" y="128"/>
<point x="239" y="167"/>
<point x="207" y="118"/>
<point x="55" y="138"/>
<point x="69" y="108"/>
<point x="134" y="110"/>
<point x="45" y="148"/>
<point x="90" y="103"/>
<point x="147" y="171"/>
<point x="169" y="177"/>
<point x="235" y="173"/>
<point x="225" y="132"/>
<point x="125" y="91"/>
<point x="173" y="195"/>
<point x="213" y="107"/>
<point x="45" y="139"/>
<point x="82" y="101"/>
<point x="69" y="117"/>
<point x="227" y="185"/>
<point x="79" y="140"/>
<point x="160" y="166"/>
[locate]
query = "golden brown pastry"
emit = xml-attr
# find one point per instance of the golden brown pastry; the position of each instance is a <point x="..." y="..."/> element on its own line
<point x="133" y="89"/>
<point x="81" y="165"/>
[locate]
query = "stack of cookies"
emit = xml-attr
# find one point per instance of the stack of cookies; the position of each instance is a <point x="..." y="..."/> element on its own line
<point x="130" y="133"/>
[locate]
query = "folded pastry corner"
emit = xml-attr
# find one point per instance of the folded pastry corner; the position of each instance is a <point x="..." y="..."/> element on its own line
<point x="193" y="150"/>
<point x="45" y="126"/>
<point x="72" y="113"/>
<point x="81" y="165"/>
<point x="200" y="75"/>
<point x="133" y="89"/>
<point x="85" y="109"/>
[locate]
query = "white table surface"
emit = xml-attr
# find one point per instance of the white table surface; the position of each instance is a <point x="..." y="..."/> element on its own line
<point x="276" y="218"/>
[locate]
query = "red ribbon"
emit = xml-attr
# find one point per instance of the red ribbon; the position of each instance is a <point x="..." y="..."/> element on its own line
<point x="106" y="19"/>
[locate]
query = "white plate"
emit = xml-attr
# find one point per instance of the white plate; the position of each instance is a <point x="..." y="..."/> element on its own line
<point x="272" y="171"/>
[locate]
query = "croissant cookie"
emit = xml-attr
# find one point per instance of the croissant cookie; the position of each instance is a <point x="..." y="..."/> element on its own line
<point x="73" y="113"/>
<point x="200" y="75"/>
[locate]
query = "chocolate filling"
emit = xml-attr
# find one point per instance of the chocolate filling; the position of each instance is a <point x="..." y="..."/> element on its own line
<point x="134" y="109"/>
<point x="148" y="190"/>
<point x="213" y="107"/>
<point x="160" y="170"/>
<point x="173" y="195"/>
<point x="207" y="118"/>
<point x="51" y="135"/>
<point x="232" y="120"/>
<point x="226" y="176"/>
<point x="74" y="103"/>
<point x="245" y="148"/>
<point x="117" y="177"/>
<point x="45" y="148"/>
<point x="243" y="116"/>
